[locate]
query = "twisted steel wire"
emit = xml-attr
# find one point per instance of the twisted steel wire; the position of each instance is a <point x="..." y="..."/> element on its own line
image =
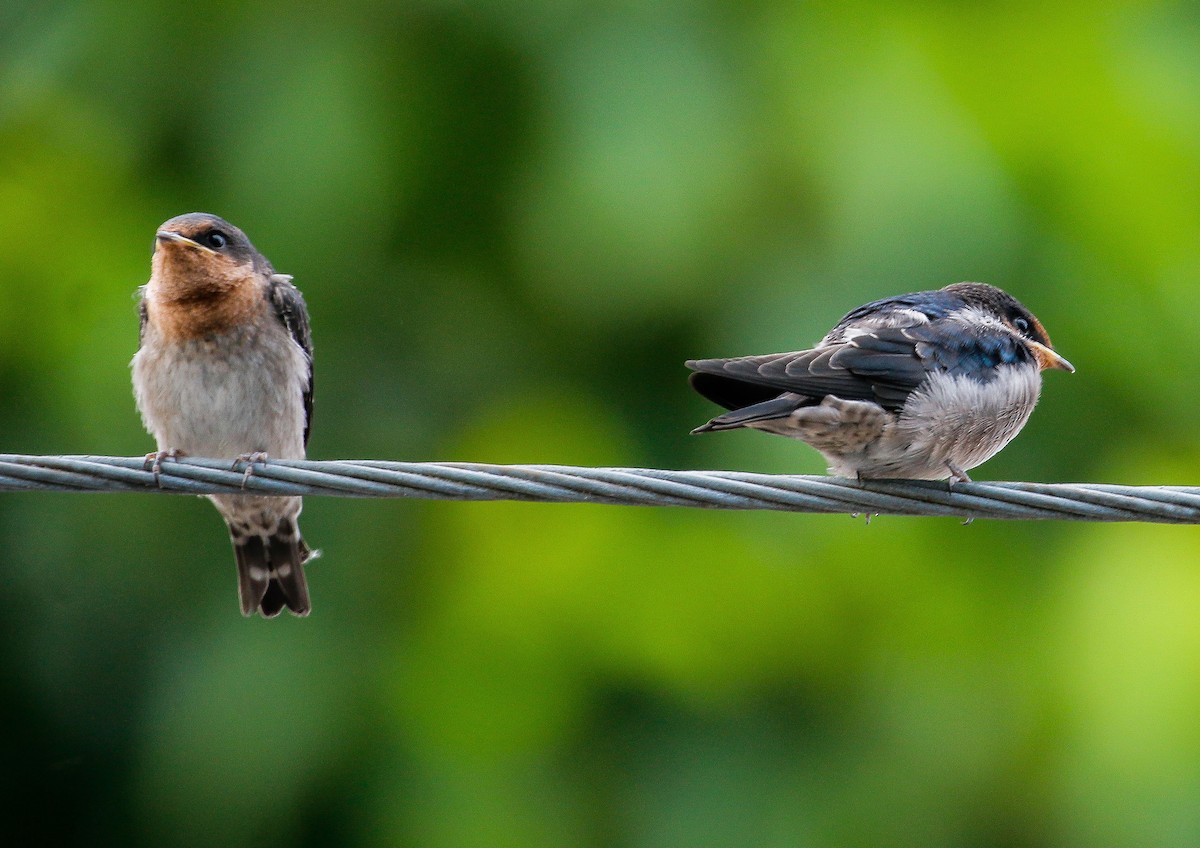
<point x="623" y="486"/>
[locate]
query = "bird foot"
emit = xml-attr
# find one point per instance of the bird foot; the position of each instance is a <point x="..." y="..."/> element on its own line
<point x="249" y="459"/>
<point x="153" y="462"/>
<point x="957" y="475"/>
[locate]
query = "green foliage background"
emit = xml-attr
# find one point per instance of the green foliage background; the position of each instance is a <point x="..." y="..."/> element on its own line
<point x="512" y="223"/>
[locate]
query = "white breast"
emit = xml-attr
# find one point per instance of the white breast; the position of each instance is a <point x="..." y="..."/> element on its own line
<point x="224" y="395"/>
<point x="960" y="420"/>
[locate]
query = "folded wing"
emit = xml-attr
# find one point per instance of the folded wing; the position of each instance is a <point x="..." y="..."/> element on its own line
<point x="884" y="365"/>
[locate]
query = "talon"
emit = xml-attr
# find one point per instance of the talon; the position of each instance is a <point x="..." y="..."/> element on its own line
<point x="153" y="462"/>
<point x="249" y="459"/>
<point x="957" y="475"/>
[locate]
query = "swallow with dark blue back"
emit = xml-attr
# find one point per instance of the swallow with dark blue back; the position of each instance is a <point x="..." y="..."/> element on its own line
<point x="922" y="386"/>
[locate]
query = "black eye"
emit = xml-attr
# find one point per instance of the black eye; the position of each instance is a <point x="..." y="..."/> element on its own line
<point x="1021" y="325"/>
<point x="216" y="239"/>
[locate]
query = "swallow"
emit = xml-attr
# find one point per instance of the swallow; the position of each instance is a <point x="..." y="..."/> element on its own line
<point x="224" y="369"/>
<point x="921" y="386"/>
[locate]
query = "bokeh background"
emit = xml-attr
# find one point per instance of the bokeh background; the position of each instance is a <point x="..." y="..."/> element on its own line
<point x="512" y="223"/>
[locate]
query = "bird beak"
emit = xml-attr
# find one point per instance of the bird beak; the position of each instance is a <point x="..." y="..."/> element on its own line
<point x="1048" y="358"/>
<point x="169" y="236"/>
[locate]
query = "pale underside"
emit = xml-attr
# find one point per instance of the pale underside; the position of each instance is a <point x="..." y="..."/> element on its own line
<point x="224" y="396"/>
<point x="949" y="424"/>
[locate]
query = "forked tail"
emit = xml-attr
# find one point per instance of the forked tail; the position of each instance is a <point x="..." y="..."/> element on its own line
<point x="271" y="571"/>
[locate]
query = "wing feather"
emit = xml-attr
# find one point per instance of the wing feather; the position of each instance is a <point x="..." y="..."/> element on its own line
<point x="289" y="308"/>
<point x="143" y="317"/>
<point x="883" y="364"/>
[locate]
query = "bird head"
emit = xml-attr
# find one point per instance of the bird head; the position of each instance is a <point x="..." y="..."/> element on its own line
<point x="1010" y="312"/>
<point x="199" y="254"/>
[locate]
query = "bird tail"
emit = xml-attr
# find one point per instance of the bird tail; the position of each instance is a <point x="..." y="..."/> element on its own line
<point x="271" y="571"/>
<point x="768" y="410"/>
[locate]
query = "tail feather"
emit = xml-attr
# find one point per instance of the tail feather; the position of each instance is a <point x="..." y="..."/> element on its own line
<point x="271" y="572"/>
<point x="768" y="410"/>
<point x="272" y="603"/>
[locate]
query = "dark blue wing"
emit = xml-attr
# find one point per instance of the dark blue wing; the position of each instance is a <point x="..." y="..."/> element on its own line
<point x="883" y="365"/>
<point x="934" y="305"/>
<point x="143" y="318"/>
<point x="289" y="308"/>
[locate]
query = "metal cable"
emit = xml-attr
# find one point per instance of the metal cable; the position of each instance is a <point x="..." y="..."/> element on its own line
<point x="626" y="486"/>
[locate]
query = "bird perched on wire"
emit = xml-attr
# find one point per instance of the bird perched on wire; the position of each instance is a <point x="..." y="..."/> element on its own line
<point x="224" y="369"/>
<point x="922" y="386"/>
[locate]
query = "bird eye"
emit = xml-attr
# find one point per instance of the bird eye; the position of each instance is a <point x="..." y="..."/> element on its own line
<point x="216" y="239"/>
<point x="1021" y="325"/>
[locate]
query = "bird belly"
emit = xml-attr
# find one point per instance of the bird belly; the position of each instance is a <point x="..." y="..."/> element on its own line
<point x="225" y="395"/>
<point x="954" y="422"/>
<point x="949" y="422"/>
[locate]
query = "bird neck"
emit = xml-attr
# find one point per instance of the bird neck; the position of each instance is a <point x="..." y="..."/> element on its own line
<point x="194" y="311"/>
